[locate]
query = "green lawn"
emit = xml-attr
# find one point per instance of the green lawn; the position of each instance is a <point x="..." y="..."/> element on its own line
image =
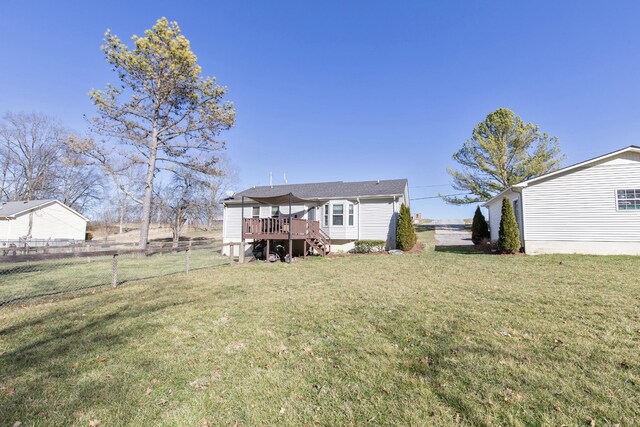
<point x="434" y="338"/>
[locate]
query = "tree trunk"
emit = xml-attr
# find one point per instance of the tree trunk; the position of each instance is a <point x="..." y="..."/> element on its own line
<point x="123" y="206"/>
<point x="148" y="191"/>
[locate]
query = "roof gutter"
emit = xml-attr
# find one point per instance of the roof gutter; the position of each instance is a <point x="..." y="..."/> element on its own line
<point x="319" y="199"/>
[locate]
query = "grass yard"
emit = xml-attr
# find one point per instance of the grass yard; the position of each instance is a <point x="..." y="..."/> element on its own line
<point x="433" y="338"/>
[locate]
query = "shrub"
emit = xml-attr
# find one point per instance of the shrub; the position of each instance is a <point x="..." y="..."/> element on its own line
<point x="88" y="236"/>
<point x="509" y="239"/>
<point x="367" y="246"/>
<point x="479" y="228"/>
<point x="405" y="233"/>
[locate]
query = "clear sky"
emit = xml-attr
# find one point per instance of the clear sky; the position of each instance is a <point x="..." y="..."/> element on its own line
<point x="355" y="90"/>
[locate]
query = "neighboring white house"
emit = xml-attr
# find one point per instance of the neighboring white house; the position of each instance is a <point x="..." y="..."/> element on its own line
<point x="346" y="211"/>
<point x="592" y="207"/>
<point x="40" y="220"/>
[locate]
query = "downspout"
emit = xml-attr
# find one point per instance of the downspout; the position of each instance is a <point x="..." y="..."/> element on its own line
<point x="519" y="190"/>
<point x="242" y="219"/>
<point x="395" y="222"/>
<point x="358" y="200"/>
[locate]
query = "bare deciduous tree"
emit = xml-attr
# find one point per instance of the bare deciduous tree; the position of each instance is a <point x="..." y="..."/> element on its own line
<point x="36" y="163"/>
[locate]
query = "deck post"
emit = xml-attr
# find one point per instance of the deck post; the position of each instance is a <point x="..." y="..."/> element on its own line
<point x="290" y="242"/>
<point x="304" y="256"/>
<point x="267" y="257"/>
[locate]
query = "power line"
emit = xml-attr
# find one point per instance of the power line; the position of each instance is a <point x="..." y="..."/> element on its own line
<point x="437" y="197"/>
<point x="429" y="186"/>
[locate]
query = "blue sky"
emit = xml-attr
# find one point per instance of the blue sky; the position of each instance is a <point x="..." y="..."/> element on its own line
<point x="356" y="90"/>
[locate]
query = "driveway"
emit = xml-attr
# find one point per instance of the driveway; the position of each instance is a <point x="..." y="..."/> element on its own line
<point x="452" y="232"/>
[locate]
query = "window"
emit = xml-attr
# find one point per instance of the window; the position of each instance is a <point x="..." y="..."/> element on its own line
<point x="516" y="210"/>
<point x="628" y="199"/>
<point x="325" y="217"/>
<point x="255" y="212"/>
<point x="311" y="214"/>
<point x="338" y="214"/>
<point x="350" y="214"/>
<point x="275" y="211"/>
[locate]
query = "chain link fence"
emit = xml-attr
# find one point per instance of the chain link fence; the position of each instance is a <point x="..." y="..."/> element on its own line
<point x="37" y="274"/>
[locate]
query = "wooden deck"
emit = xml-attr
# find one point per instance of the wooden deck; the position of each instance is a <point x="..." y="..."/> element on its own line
<point x="278" y="229"/>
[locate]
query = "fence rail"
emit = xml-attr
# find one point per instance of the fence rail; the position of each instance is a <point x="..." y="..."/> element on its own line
<point x="29" y="276"/>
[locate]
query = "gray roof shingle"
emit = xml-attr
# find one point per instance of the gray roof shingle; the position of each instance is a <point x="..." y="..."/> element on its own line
<point x="12" y="208"/>
<point x="321" y="190"/>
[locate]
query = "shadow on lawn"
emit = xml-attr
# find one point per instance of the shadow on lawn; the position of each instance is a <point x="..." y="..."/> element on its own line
<point x="64" y="340"/>
<point x="459" y="249"/>
<point x="436" y="364"/>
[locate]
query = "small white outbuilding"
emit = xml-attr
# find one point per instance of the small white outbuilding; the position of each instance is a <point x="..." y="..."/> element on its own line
<point x="591" y="207"/>
<point x="40" y="220"/>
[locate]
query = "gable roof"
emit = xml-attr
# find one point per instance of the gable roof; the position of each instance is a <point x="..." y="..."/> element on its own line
<point x="568" y="169"/>
<point x="328" y="190"/>
<point x="10" y="210"/>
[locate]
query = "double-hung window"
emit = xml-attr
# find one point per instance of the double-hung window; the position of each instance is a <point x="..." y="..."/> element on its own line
<point x="350" y="214"/>
<point x="325" y="216"/>
<point x="275" y="211"/>
<point x="338" y="214"/>
<point x="255" y="212"/>
<point x="628" y="199"/>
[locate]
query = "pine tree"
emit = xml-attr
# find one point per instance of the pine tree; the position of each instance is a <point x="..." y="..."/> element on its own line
<point x="503" y="150"/>
<point x="405" y="233"/>
<point x="479" y="228"/>
<point x="509" y="235"/>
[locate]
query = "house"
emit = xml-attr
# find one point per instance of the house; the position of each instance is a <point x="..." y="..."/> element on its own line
<point x="591" y="207"/>
<point x="323" y="216"/>
<point x="40" y="220"/>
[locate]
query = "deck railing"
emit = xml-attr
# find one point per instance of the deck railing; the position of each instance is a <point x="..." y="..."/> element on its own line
<point x="277" y="228"/>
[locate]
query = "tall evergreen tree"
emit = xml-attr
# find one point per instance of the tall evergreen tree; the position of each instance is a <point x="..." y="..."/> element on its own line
<point x="163" y="113"/>
<point x="405" y="232"/>
<point x="503" y="151"/>
<point x="509" y="235"/>
<point x="479" y="228"/>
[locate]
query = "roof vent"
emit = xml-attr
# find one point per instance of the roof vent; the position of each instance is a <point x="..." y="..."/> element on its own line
<point x="378" y="182"/>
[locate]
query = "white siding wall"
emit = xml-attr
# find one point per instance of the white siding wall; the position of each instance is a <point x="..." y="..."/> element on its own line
<point x="581" y="207"/>
<point x="50" y="222"/>
<point x="372" y="220"/>
<point x="377" y="220"/>
<point x="341" y="232"/>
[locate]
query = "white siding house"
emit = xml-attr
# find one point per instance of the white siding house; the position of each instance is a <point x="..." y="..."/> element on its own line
<point x="40" y="220"/>
<point x="592" y="207"/>
<point x="345" y="211"/>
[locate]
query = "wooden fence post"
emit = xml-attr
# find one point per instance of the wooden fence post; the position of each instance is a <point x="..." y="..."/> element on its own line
<point x="114" y="271"/>
<point x="187" y="256"/>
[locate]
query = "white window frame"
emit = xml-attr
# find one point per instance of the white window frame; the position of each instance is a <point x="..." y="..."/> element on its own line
<point x="334" y="215"/>
<point x="277" y="213"/>
<point x="325" y="215"/>
<point x="635" y="199"/>
<point x="253" y="212"/>
<point x="351" y="210"/>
